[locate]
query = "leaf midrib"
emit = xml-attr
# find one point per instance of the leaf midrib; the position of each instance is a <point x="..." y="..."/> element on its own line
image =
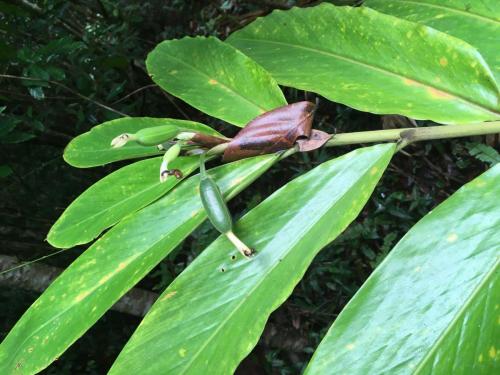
<point x="460" y="11"/>
<point x="271" y="269"/>
<point x="201" y="72"/>
<point x="375" y="68"/>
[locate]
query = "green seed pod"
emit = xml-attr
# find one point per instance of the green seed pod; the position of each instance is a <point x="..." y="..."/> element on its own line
<point x="217" y="210"/>
<point x="213" y="201"/>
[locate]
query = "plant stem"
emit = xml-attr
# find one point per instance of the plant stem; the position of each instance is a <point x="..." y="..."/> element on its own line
<point x="415" y="134"/>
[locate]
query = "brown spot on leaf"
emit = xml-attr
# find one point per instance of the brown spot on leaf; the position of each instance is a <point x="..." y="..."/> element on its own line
<point x="272" y="131"/>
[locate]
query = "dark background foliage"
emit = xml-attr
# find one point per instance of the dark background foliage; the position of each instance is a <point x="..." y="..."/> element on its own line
<point x="85" y="64"/>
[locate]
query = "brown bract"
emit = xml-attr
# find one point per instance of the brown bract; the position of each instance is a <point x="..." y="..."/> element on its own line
<point x="207" y="141"/>
<point x="276" y="130"/>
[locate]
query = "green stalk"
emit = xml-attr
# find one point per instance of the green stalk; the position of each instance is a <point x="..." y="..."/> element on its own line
<point x="409" y="135"/>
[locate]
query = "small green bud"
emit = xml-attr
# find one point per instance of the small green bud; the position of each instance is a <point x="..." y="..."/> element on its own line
<point x="156" y="135"/>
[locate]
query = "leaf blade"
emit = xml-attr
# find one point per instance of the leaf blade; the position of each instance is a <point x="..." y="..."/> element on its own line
<point x="477" y="23"/>
<point x="336" y="44"/>
<point x="93" y="148"/>
<point x="107" y="269"/>
<point x="112" y="198"/>
<point x="211" y="316"/>
<point x="443" y="261"/>
<point x="215" y="78"/>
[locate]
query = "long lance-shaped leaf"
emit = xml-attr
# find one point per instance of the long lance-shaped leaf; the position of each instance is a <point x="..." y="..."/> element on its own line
<point x="112" y="198"/>
<point x="215" y="78"/>
<point x="93" y="148"/>
<point x="476" y="22"/>
<point x="212" y="315"/>
<point x="373" y="62"/>
<point x="432" y="306"/>
<point x="110" y="267"/>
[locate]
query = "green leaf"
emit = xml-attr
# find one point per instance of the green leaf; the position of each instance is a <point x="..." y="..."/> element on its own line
<point x="212" y="315"/>
<point x="373" y="62"/>
<point x="476" y="22"/>
<point x="431" y="307"/>
<point x="109" y="200"/>
<point x="111" y="266"/>
<point x="483" y="152"/>
<point x="93" y="148"/>
<point x="215" y="78"/>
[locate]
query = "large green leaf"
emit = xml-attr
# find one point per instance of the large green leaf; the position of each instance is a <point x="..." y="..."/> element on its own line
<point x="373" y="62"/>
<point x="215" y="78"/>
<point x="476" y="22"/>
<point x="111" y="266"/>
<point x="212" y="315"/>
<point x="112" y="198"/>
<point x="432" y="306"/>
<point x="93" y="148"/>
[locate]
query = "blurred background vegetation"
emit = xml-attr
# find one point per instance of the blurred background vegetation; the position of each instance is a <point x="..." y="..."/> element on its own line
<point x="66" y="66"/>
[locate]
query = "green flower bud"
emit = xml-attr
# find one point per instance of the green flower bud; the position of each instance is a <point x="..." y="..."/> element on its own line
<point x="169" y="157"/>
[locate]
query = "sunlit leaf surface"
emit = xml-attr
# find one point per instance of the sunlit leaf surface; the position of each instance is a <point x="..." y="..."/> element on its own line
<point x="432" y="306"/>
<point x="212" y="315"/>
<point x="373" y="62"/>
<point x="215" y="78"/>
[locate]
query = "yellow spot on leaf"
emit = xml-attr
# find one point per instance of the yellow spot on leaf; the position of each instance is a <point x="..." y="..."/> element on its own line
<point x="212" y="81"/>
<point x="182" y="352"/>
<point x="373" y="171"/>
<point x="81" y="296"/>
<point x="443" y="61"/>
<point x="480" y="358"/>
<point x="492" y="352"/>
<point x="452" y="237"/>
<point x="417" y="269"/>
<point x="480" y="183"/>
<point x="438" y="94"/>
<point x="104" y="279"/>
<point x="30" y="350"/>
<point x="168" y="295"/>
<point x="350" y="346"/>
<point x="410" y="82"/>
<point x="121" y="266"/>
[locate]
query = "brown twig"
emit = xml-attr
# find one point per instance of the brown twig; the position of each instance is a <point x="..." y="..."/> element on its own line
<point x="38" y="276"/>
<point x="99" y="104"/>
